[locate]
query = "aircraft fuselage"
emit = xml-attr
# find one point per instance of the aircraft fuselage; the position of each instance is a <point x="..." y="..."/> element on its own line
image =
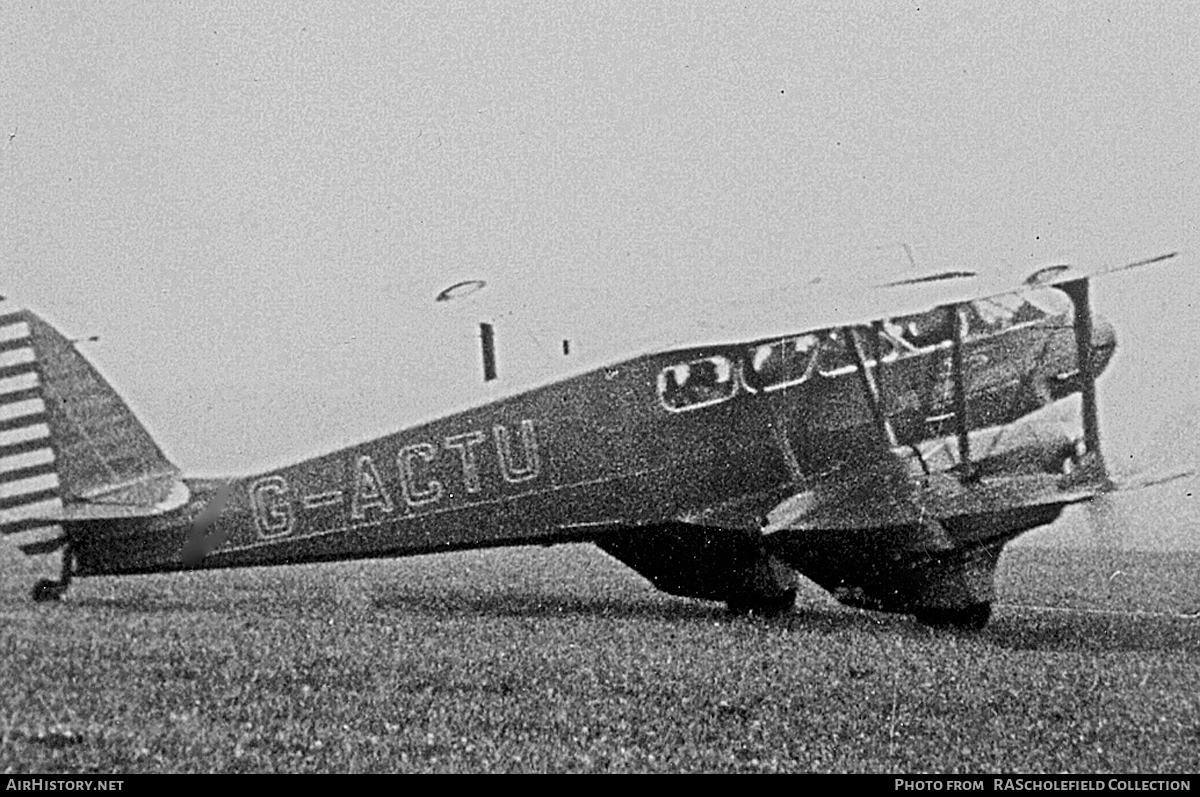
<point x="714" y="436"/>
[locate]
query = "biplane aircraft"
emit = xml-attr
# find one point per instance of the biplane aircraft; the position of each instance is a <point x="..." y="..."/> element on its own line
<point x="885" y="444"/>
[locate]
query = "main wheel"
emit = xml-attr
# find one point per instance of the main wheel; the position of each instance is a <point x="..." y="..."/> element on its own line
<point x="966" y="618"/>
<point x="760" y="606"/>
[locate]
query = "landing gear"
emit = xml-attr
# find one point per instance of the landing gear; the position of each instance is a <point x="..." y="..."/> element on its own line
<point x="967" y="618"/>
<point x="759" y="606"/>
<point x="49" y="590"/>
<point x="713" y="564"/>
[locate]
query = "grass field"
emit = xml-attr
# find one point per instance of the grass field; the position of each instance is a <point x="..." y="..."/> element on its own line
<point x="563" y="660"/>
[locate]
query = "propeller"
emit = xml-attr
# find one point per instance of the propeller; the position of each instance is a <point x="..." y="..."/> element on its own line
<point x="1111" y="517"/>
<point x="1078" y="291"/>
<point x="1094" y="342"/>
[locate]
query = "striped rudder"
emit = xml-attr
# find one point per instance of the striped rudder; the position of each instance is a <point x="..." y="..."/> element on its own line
<point x="29" y="482"/>
<point x="72" y="454"/>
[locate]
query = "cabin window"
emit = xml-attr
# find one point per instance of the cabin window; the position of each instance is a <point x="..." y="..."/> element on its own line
<point x="924" y="330"/>
<point x="780" y="363"/>
<point x="894" y="341"/>
<point x="998" y="313"/>
<point x="994" y="314"/>
<point x="696" y="383"/>
<point x="1051" y="301"/>
<point x="836" y="356"/>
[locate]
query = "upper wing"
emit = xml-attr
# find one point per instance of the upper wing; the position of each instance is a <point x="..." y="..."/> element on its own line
<point x="803" y="307"/>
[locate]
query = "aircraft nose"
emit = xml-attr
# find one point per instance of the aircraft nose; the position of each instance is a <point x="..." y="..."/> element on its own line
<point x="1104" y="343"/>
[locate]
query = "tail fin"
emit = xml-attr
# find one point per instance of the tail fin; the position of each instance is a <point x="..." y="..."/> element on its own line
<point x="70" y="449"/>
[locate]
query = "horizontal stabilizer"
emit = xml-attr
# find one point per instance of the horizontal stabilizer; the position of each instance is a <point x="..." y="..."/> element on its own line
<point x="43" y="547"/>
<point x="84" y="512"/>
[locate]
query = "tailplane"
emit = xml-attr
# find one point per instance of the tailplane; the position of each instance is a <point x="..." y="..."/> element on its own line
<point x="70" y="449"/>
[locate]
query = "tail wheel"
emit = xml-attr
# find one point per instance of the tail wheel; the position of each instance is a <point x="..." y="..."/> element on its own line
<point x="47" y="590"/>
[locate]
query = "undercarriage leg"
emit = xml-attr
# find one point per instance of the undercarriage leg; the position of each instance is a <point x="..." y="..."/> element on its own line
<point x="728" y="565"/>
<point x="769" y="591"/>
<point x="50" y="590"/>
<point x="967" y="618"/>
<point x="959" y="593"/>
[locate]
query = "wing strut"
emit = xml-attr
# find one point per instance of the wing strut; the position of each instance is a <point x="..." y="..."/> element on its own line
<point x="870" y="385"/>
<point x="960" y="388"/>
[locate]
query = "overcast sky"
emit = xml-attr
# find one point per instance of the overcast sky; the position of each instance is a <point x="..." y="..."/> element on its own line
<point x="254" y="204"/>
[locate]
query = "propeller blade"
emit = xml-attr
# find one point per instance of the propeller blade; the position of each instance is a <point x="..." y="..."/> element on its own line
<point x="1078" y="292"/>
